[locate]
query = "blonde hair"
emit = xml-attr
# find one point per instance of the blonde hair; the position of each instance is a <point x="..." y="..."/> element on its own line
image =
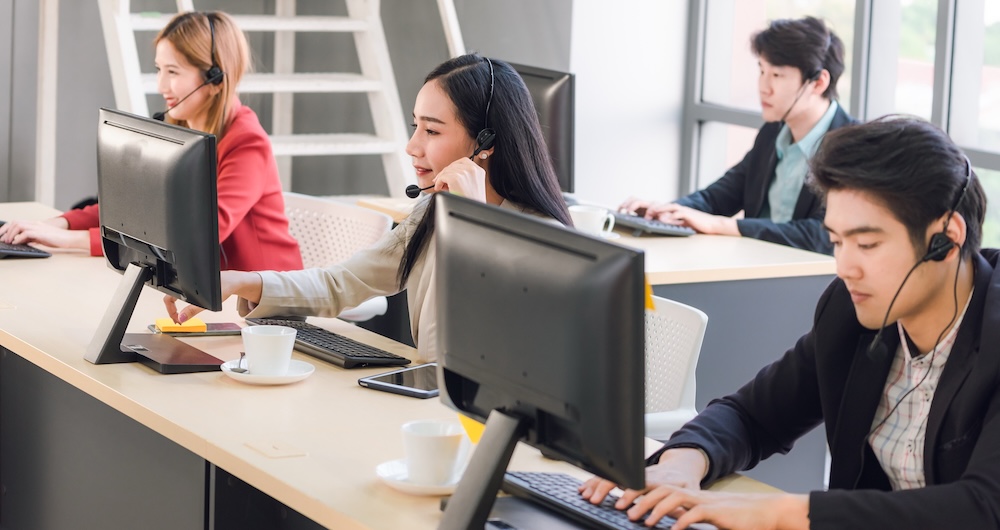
<point x="191" y="36"/>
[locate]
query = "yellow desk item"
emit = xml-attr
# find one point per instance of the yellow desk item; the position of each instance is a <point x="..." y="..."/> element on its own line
<point x="120" y="446"/>
<point x="192" y="325"/>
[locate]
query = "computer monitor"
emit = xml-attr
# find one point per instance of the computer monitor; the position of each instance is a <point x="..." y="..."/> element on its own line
<point x="541" y="335"/>
<point x="159" y="227"/>
<point x="553" y="94"/>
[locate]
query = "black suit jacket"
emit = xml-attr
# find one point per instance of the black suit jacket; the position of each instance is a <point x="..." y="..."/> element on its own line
<point x="829" y="377"/>
<point x="745" y="186"/>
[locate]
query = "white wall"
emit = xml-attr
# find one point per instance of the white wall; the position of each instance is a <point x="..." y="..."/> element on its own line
<point x="628" y="57"/>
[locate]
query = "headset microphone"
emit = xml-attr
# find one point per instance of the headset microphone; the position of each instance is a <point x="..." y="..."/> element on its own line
<point x="163" y="114"/>
<point x="412" y="191"/>
<point x="802" y="90"/>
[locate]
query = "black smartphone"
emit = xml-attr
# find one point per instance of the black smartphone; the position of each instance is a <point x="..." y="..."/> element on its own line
<point x="415" y="381"/>
<point x="213" y="329"/>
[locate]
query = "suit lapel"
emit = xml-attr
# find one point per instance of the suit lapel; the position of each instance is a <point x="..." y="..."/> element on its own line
<point x="960" y="361"/>
<point x="862" y="392"/>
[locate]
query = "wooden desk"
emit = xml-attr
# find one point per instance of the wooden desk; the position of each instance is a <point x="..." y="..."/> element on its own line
<point x="120" y="446"/>
<point x="759" y="298"/>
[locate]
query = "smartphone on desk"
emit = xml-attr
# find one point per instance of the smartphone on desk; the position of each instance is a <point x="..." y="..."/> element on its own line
<point x="415" y="381"/>
<point x="213" y="329"/>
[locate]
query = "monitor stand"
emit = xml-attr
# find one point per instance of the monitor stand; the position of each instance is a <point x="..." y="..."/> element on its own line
<point x="470" y="506"/>
<point x="164" y="354"/>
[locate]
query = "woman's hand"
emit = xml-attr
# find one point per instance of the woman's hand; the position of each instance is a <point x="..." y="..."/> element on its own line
<point x="50" y="232"/>
<point x="246" y="285"/>
<point x="463" y="177"/>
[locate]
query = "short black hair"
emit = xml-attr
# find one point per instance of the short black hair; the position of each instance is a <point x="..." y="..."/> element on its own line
<point x="910" y="166"/>
<point x="806" y="44"/>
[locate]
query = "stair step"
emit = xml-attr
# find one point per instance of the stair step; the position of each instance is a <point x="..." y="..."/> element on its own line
<point x="332" y="144"/>
<point x="154" y="21"/>
<point x="257" y="83"/>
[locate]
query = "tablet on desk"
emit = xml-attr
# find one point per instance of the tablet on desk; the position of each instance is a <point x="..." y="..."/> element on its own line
<point x="415" y="381"/>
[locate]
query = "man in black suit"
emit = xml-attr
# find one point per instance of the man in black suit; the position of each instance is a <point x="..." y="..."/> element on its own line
<point x="800" y="63"/>
<point x="912" y="410"/>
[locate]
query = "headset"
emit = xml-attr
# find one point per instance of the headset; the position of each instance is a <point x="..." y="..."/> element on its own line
<point x="487" y="136"/>
<point x="940" y="244"/>
<point x="214" y="75"/>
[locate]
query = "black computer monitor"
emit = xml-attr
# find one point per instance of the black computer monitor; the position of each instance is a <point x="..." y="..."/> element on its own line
<point x="159" y="227"/>
<point x="541" y="335"/>
<point x="553" y="94"/>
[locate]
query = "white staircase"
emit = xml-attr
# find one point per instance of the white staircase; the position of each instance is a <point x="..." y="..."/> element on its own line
<point x="376" y="78"/>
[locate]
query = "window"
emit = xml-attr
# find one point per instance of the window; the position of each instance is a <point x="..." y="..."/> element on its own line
<point x="937" y="59"/>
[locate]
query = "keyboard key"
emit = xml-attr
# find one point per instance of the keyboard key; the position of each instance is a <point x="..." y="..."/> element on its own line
<point x="8" y="250"/>
<point x="331" y="347"/>
<point x="558" y="492"/>
<point x="641" y="225"/>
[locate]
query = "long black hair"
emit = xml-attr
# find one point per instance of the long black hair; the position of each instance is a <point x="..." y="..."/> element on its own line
<point x="520" y="169"/>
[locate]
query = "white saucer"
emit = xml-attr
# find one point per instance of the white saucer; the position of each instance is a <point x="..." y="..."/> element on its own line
<point x="610" y="235"/>
<point x="297" y="371"/>
<point x="394" y="474"/>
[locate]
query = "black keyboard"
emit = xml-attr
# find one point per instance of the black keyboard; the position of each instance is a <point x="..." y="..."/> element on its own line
<point x="558" y="492"/>
<point x="331" y="347"/>
<point x="21" y="251"/>
<point x="641" y="225"/>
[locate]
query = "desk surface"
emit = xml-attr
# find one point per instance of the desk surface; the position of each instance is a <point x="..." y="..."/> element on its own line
<point x="694" y="259"/>
<point x="49" y="309"/>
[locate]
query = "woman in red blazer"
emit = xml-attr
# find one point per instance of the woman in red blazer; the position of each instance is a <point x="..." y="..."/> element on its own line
<point x="200" y="59"/>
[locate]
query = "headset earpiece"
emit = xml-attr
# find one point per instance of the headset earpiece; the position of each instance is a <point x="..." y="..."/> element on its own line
<point x="485" y="139"/>
<point x="214" y="75"/>
<point x="938" y="248"/>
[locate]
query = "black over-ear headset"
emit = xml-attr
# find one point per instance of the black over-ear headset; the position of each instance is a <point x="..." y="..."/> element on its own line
<point x="940" y="243"/>
<point x="487" y="136"/>
<point x="214" y="75"/>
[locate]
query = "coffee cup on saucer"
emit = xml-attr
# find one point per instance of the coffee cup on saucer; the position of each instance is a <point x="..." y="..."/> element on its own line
<point x="434" y="451"/>
<point x="268" y="349"/>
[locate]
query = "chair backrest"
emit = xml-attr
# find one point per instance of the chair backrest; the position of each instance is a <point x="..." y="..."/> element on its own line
<point x="328" y="231"/>
<point x="674" y="333"/>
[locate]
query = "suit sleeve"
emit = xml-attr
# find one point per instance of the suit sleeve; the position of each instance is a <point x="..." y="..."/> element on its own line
<point x="807" y="234"/>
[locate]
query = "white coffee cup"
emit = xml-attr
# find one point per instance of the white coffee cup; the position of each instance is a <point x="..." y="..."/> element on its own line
<point x="268" y="348"/>
<point x="592" y="219"/>
<point x="434" y="450"/>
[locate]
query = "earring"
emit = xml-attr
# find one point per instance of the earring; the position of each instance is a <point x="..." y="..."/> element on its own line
<point x="483" y="155"/>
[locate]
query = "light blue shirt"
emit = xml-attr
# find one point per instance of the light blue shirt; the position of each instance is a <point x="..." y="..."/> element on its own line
<point x="793" y="164"/>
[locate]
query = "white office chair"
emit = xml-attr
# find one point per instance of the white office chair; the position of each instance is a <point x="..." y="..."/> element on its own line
<point x="674" y="334"/>
<point x="329" y="232"/>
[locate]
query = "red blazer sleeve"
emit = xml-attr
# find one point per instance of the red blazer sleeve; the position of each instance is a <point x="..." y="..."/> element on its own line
<point x="87" y="218"/>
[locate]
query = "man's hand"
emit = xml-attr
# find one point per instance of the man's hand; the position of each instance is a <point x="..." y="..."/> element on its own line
<point x="683" y="467"/>
<point x="699" y="221"/>
<point x="734" y="511"/>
